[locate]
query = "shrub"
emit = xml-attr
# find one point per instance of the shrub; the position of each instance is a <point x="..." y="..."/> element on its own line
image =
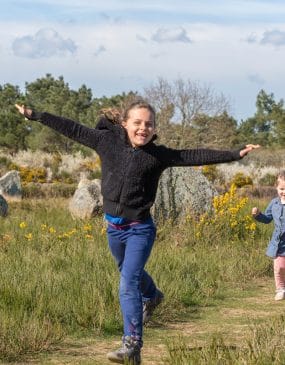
<point x="268" y="180"/>
<point x="64" y="177"/>
<point x="239" y="180"/>
<point x="92" y="167"/>
<point x="4" y="161"/>
<point x="33" y="174"/>
<point x="28" y="174"/>
<point x="56" y="161"/>
<point x="228" y="217"/>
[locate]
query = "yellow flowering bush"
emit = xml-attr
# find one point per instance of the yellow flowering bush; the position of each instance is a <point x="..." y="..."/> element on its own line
<point x="91" y="165"/>
<point x="228" y="216"/>
<point x="29" y="174"/>
<point x="240" y="180"/>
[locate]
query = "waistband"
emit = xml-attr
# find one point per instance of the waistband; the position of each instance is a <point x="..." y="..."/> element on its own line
<point x="128" y="225"/>
<point x="121" y="227"/>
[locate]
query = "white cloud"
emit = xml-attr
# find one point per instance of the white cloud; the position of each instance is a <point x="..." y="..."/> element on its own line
<point x="45" y="43"/>
<point x="163" y="35"/>
<point x="274" y="37"/>
<point x="256" y="79"/>
<point x="141" y="38"/>
<point x="252" y="38"/>
<point x="99" y="50"/>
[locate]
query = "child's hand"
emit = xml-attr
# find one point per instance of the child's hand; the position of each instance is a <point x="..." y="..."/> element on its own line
<point x="255" y="211"/>
<point x="248" y="148"/>
<point x="23" y="110"/>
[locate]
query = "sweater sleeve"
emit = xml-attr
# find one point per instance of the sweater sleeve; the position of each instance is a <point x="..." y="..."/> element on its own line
<point x="265" y="217"/>
<point x="196" y="157"/>
<point x="89" y="137"/>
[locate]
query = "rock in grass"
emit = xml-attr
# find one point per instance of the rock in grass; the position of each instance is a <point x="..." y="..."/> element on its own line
<point x="87" y="200"/>
<point x="10" y="185"/>
<point x="3" y="207"/>
<point x="183" y="191"/>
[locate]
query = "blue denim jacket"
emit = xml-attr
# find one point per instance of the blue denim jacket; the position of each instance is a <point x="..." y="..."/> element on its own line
<point x="274" y="212"/>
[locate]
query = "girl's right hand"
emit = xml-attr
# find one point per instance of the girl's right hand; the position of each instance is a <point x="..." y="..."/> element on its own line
<point x="255" y="211"/>
<point x="23" y="110"/>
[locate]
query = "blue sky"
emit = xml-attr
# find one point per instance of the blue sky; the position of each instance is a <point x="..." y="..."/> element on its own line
<point x="235" y="47"/>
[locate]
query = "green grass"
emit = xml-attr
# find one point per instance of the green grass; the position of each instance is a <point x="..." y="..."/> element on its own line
<point x="58" y="280"/>
<point x="264" y="345"/>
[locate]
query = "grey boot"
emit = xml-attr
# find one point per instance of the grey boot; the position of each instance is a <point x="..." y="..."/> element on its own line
<point x="150" y="305"/>
<point x="129" y="353"/>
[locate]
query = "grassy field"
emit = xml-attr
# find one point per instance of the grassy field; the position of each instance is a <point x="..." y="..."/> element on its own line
<point x="58" y="291"/>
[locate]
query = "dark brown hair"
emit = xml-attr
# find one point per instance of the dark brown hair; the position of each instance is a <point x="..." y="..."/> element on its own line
<point x="118" y="116"/>
<point x="139" y="104"/>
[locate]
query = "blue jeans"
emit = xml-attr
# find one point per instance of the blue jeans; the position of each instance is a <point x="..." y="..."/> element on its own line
<point x="131" y="246"/>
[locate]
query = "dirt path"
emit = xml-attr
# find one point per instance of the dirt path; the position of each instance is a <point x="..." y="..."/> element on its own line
<point x="230" y="317"/>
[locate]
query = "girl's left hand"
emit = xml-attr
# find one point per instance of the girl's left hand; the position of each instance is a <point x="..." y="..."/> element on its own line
<point x="23" y="110"/>
<point x="255" y="211"/>
<point x="248" y="148"/>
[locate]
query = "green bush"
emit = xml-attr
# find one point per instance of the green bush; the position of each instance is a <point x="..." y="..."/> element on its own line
<point x="64" y="177"/>
<point x="268" y="180"/>
<point x="5" y="162"/>
<point x="240" y="180"/>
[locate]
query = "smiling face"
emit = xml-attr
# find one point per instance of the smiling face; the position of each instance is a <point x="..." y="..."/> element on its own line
<point x="139" y="126"/>
<point x="281" y="189"/>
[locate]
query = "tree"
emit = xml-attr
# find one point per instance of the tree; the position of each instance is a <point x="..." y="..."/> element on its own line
<point x="55" y="96"/>
<point x="160" y="95"/>
<point x="267" y="126"/>
<point x="13" y="130"/>
<point x="51" y="95"/>
<point x="179" y="103"/>
<point x="214" y="132"/>
<point x="118" y="102"/>
<point x="278" y="116"/>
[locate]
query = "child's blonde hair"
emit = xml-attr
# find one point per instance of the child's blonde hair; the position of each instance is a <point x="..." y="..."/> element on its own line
<point x="280" y="176"/>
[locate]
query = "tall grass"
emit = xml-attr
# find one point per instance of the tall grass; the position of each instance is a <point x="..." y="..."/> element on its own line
<point x="58" y="278"/>
<point x="264" y="346"/>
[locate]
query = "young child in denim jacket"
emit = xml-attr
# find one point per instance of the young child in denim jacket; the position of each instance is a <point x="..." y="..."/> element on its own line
<point x="276" y="248"/>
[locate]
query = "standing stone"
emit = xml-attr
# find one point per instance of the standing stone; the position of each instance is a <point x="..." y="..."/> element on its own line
<point x="3" y="207"/>
<point x="87" y="200"/>
<point x="10" y="185"/>
<point x="182" y="191"/>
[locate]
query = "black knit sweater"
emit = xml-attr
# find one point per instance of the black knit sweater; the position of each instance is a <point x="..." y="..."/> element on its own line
<point x="130" y="175"/>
